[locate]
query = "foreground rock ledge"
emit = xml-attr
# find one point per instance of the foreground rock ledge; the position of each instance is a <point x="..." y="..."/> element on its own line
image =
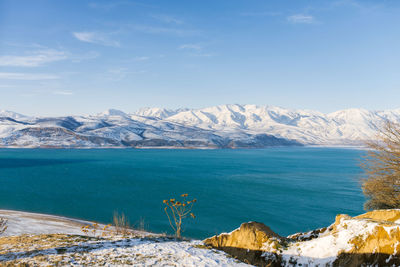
<point x="371" y="239"/>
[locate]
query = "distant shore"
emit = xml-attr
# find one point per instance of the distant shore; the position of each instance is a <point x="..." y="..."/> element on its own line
<point x="190" y="148"/>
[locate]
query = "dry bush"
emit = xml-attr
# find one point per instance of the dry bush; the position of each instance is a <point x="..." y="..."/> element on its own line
<point x="3" y="225"/>
<point x="121" y="224"/>
<point x="381" y="181"/>
<point x="95" y="230"/>
<point x="177" y="211"/>
<point x="141" y="224"/>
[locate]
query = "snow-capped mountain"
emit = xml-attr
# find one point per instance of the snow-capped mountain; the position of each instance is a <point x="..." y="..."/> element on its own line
<point x="10" y="114"/>
<point x="225" y="126"/>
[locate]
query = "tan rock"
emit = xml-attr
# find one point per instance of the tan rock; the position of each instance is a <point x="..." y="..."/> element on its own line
<point x="372" y="239"/>
<point x="249" y="243"/>
<point x="252" y="235"/>
<point x="381" y="215"/>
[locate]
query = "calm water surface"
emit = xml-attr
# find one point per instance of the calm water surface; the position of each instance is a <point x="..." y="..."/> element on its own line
<point x="289" y="189"/>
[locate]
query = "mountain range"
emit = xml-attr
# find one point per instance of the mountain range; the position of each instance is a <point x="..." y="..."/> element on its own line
<point x="224" y="126"/>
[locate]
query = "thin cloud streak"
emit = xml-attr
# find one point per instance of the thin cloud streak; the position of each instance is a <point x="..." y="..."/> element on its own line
<point x="119" y="74"/>
<point x="115" y="4"/>
<point x="87" y="56"/>
<point x="105" y="6"/>
<point x="96" y="38"/>
<point x="260" y="14"/>
<point x="164" y="30"/>
<point x="36" y="59"/>
<point x="141" y="58"/>
<point x="167" y="19"/>
<point x="27" y="76"/>
<point x="62" y="93"/>
<point x="196" y="47"/>
<point x="195" y="50"/>
<point x="301" y="19"/>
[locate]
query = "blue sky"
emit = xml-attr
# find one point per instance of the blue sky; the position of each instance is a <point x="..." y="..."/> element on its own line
<point x="80" y="57"/>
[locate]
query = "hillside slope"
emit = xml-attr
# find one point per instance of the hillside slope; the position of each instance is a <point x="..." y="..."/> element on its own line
<point x="45" y="240"/>
<point x="225" y="126"/>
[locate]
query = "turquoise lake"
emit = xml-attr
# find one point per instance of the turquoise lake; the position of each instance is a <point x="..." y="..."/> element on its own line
<point x="288" y="189"/>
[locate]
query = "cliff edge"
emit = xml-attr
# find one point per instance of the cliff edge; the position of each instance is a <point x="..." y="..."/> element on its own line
<point x="370" y="239"/>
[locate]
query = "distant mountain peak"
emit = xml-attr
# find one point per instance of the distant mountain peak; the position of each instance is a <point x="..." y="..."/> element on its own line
<point x="11" y="114"/>
<point x="113" y="112"/>
<point x="222" y="126"/>
<point x="159" y="113"/>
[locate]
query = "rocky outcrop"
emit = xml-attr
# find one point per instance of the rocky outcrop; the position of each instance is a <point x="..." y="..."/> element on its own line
<point x="372" y="238"/>
<point x="379" y="246"/>
<point x="248" y="243"/>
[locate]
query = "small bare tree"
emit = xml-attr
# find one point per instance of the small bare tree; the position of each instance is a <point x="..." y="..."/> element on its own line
<point x="177" y="211"/>
<point x="121" y="224"/>
<point x="3" y="225"/>
<point x="381" y="181"/>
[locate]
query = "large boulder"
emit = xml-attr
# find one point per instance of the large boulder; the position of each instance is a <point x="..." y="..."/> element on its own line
<point x="249" y="243"/>
<point x="372" y="239"/>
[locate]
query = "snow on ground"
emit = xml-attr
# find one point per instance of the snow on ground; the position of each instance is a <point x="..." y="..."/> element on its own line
<point x="211" y="127"/>
<point x="76" y="251"/>
<point x="31" y="239"/>
<point x="34" y="223"/>
<point x="324" y="249"/>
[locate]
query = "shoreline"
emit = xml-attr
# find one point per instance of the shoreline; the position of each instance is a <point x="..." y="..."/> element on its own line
<point x="358" y="147"/>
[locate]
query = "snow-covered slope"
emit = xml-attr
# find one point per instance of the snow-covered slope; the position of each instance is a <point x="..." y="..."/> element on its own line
<point x="10" y="114"/>
<point x="33" y="239"/>
<point x="309" y="127"/>
<point x="225" y="126"/>
<point x="370" y="239"/>
<point x="159" y="113"/>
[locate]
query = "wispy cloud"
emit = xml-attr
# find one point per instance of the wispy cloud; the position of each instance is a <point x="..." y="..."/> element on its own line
<point x="107" y="6"/>
<point x="301" y="18"/>
<point x="202" y="55"/>
<point x="6" y="86"/>
<point x="118" y="74"/>
<point x="351" y="3"/>
<point x="260" y="14"/>
<point x="62" y="93"/>
<point x="167" y="19"/>
<point x="35" y="59"/>
<point x="26" y="45"/>
<point x="43" y="91"/>
<point x="164" y="30"/>
<point x="141" y="58"/>
<point x="96" y="38"/>
<point x="196" y="47"/>
<point x="27" y="76"/>
<point x="87" y="56"/>
<point x="196" y="50"/>
<point x="363" y="6"/>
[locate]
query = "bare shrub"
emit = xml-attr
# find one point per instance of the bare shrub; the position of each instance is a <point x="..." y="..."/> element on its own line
<point x="381" y="181"/>
<point x="3" y="225"/>
<point x="95" y="230"/>
<point x="177" y="211"/>
<point x="121" y="224"/>
<point x="141" y="224"/>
